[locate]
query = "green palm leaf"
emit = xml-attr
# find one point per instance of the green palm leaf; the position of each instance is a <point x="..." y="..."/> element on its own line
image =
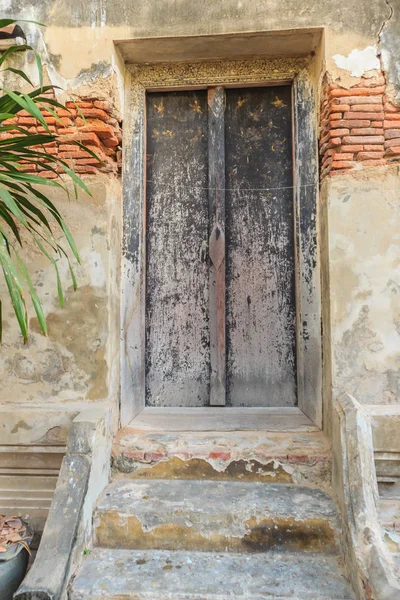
<point x="24" y="204"/>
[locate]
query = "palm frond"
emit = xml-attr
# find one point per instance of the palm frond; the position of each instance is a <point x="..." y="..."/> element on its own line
<point x="25" y="208"/>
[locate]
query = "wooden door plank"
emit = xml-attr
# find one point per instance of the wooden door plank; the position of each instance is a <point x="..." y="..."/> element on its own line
<point x="216" y="178"/>
<point x="260" y="275"/>
<point x="177" y="325"/>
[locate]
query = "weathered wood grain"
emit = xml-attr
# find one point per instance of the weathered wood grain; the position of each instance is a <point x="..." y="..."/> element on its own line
<point x="261" y="312"/>
<point x="177" y="305"/>
<point x="216" y="196"/>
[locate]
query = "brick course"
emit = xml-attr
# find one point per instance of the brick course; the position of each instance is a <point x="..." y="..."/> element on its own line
<point x="358" y="125"/>
<point x="88" y="121"/>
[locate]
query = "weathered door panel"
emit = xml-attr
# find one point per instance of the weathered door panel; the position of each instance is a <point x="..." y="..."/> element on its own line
<point x="190" y="201"/>
<point x="177" y="295"/>
<point x="260" y="277"/>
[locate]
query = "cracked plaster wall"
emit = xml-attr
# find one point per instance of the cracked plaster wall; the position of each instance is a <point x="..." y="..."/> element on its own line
<point x="79" y="360"/>
<point x="363" y="267"/>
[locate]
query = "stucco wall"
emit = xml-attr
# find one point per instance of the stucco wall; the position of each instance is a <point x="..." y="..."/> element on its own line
<point x="79" y="360"/>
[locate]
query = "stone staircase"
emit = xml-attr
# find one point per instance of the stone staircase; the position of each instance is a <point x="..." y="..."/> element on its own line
<point x="389" y="517"/>
<point x="215" y="515"/>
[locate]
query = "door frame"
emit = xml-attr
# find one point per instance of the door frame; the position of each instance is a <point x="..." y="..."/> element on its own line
<point x="200" y="75"/>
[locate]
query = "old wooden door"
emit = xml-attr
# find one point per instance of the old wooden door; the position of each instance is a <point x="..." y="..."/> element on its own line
<point x="220" y="267"/>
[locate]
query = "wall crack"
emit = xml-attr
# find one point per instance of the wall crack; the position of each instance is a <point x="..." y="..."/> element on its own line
<point x="386" y="21"/>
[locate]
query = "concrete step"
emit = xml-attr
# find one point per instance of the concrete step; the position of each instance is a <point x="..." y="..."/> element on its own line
<point x="164" y="575"/>
<point x="281" y="457"/>
<point x="214" y="516"/>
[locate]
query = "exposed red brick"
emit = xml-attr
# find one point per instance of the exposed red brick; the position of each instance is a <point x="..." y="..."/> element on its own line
<point x="48" y="175"/>
<point x="111" y="142"/>
<point x="342" y="164"/>
<point x="67" y="131"/>
<point x="102" y="131"/>
<point x="364" y="91"/>
<point x="220" y="455"/>
<point x="394" y="151"/>
<point x="339" y="108"/>
<point x="343" y="156"/>
<point x="134" y="455"/>
<point x="368" y="139"/>
<point x="364" y="115"/>
<point x="391" y="108"/>
<point x="80" y="103"/>
<point x="62" y="112"/>
<point x="66" y="122"/>
<point x="335" y="117"/>
<point x="367" y="108"/>
<point x="51" y="151"/>
<point x="377" y="124"/>
<point x="88" y="138"/>
<point x="391" y="124"/>
<point x="95" y="113"/>
<point x="356" y="148"/>
<point x="391" y="143"/>
<point x="373" y="147"/>
<point x="26" y="121"/>
<point x="68" y="148"/>
<point x="361" y="100"/>
<point x="86" y="170"/>
<point x="349" y="124"/>
<point x="154" y="456"/>
<point x="89" y="160"/>
<point x="51" y="128"/>
<point x="390" y="134"/>
<point x="367" y="131"/>
<point x="26" y="168"/>
<point x="102" y="104"/>
<point x="368" y="155"/>
<point x="77" y="154"/>
<point x="109" y="151"/>
<point x="392" y="116"/>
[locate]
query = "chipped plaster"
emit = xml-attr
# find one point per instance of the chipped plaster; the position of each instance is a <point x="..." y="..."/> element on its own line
<point x="358" y="62"/>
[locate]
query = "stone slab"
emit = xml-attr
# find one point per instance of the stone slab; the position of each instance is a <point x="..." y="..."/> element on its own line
<point x="281" y="457"/>
<point x="162" y="575"/>
<point x="231" y="418"/>
<point x="219" y="516"/>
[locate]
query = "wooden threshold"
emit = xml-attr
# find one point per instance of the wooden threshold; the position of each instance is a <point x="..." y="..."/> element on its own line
<point x="222" y="419"/>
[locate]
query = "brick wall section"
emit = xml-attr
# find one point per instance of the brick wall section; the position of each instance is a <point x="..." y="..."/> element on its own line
<point x="358" y="125"/>
<point x="89" y="121"/>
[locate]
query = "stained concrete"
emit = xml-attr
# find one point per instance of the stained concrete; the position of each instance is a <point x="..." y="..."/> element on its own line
<point x="363" y="215"/>
<point x="205" y="515"/>
<point x="162" y="575"/>
<point x="285" y="457"/>
<point x="389" y="517"/>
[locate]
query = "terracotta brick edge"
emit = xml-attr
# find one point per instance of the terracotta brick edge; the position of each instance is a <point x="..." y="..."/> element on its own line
<point x="358" y="125"/>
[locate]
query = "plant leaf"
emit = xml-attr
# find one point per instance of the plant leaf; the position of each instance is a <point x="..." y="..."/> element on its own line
<point x="15" y="289"/>
<point x="35" y="300"/>
<point x="51" y="259"/>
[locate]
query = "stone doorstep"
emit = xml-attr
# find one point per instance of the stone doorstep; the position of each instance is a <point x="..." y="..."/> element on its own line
<point x="215" y="516"/>
<point x="162" y="575"/>
<point x="280" y="457"/>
